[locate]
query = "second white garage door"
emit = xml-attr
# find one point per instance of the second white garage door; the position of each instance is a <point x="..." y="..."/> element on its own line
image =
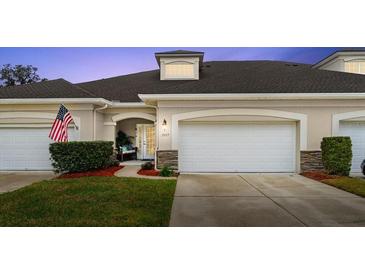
<point x="356" y="130"/>
<point x="237" y="147"/>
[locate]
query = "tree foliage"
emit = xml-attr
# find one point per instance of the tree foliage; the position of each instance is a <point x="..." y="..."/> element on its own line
<point x="19" y="75"/>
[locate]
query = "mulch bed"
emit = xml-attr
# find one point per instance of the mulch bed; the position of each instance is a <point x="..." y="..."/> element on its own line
<point x="151" y="172"/>
<point x="105" y="172"/>
<point x="318" y="175"/>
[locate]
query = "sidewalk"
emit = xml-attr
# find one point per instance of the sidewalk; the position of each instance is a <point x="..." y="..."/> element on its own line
<point x="131" y="171"/>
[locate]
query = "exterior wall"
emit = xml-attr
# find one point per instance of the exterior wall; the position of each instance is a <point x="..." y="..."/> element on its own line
<point x="319" y="114"/>
<point x="338" y="62"/>
<point x="82" y="111"/>
<point x="99" y="126"/>
<point x="109" y="127"/>
<point x="335" y="65"/>
<point x="105" y="128"/>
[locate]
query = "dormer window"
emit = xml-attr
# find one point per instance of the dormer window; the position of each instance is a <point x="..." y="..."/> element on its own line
<point x="179" y="65"/>
<point x="179" y="70"/>
<point x="355" y="66"/>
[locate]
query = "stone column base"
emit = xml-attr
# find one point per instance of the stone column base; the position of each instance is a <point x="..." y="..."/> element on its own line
<point x="167" y="158"/>
<point x="311" y="160"/>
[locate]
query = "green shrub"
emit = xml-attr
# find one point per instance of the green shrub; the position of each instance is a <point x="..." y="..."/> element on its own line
<point x="81" y="156"/>
<point x="147" y="166"/>
<point x="337" y="155"/>
<point x="166" y="172"/>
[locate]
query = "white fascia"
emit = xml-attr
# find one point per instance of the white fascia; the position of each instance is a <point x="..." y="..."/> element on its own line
<point x="129" y="105"/>
<point x="96" y="101"/>
<point x="150" y="98"/>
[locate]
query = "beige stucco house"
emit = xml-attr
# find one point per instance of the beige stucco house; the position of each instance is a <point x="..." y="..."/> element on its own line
<point x="233" y="116"/>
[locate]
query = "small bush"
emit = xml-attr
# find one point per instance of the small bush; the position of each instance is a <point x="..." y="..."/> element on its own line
<point x="147" y="166"/>
<point x="337" y="155"/>
<point x="81" y="156"/>
<point x="166" y="172"/>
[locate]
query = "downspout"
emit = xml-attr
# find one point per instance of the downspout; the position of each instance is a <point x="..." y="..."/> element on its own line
<point x="94" y="117"/>
<point x="157" y="141"/>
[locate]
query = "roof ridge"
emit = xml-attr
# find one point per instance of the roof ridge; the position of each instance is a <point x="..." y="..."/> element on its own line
<point x="80" y="88"/>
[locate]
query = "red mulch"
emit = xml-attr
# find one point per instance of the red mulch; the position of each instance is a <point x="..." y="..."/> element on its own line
<point x="318" y="175"/>
<point x="106" y="172"/>
<point x="151" y="172"/>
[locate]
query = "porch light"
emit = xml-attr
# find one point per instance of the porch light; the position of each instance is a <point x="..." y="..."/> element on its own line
<point x="164" y="125"/>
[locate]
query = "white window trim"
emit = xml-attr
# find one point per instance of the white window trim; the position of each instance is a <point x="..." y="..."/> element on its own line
<point x="301" y="118"/>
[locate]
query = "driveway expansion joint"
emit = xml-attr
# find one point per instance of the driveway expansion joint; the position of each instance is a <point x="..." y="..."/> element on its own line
<point x="279" y="205"/>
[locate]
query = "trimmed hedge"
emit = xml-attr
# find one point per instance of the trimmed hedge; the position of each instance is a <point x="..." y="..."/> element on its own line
<point x="81" y="156"/>
<point x="337" y="155"/>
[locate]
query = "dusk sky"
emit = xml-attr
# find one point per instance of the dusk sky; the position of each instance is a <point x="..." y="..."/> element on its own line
<point x="86" y="64"/>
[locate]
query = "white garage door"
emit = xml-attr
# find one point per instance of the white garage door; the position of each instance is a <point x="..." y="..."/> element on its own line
<point x="237" y="147"/>
<point x="26" y="148"/>
<point x="356" y="130"/>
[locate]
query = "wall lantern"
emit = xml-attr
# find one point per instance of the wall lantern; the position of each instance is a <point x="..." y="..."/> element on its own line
<point x="164" y="125"/>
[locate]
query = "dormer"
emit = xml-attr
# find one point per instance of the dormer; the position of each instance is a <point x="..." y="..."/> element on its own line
<point x="351" y="61"/>
<point x="179" y="64"/>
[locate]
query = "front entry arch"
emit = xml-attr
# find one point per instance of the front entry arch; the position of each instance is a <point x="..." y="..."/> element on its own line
<point x="142" y="115"/>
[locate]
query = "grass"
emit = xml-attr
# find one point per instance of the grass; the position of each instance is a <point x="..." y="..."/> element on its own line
<point x="350" y="184"/>
<point x="89" y="201"/>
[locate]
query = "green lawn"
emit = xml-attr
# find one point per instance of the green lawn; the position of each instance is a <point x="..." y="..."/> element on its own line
<point x="353" y="185"/>
<point x="89" y="201"/>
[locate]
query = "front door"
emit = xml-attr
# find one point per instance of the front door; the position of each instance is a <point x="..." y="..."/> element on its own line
<point x="146" y="141"/>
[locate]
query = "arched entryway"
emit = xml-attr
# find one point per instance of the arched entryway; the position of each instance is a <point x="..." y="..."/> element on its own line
<point x="136" y="131"/>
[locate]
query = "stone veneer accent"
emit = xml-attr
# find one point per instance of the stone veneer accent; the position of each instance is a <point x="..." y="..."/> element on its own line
<point x="311" y="160"/>
<point x="167" y="158"/>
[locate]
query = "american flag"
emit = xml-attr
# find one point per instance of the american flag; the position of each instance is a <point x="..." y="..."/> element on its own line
<point x="59" y="128"/>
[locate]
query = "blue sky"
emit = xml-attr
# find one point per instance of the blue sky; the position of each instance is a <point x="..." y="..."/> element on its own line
<point x="86" y="64"/>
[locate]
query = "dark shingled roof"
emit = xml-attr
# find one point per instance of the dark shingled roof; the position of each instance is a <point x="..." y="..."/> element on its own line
<point x="215" y="77"/>
<point x="58" y="88"/>
<point x="231" y="77"/>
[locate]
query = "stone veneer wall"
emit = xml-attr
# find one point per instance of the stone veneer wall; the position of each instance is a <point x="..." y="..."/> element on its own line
<point x="311" y="160"/>
<point x="167" y="158"/>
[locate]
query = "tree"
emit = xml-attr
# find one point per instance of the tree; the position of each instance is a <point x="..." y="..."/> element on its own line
<point x="19" y="75"/>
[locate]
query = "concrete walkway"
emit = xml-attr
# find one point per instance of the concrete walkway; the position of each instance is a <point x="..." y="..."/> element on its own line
<point x="262" y="200"/>
<point x="131" y="171"/>
<point x="10" y="181"/>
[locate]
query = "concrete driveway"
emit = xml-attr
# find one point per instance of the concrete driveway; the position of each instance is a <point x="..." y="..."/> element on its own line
<point x="262" y="200"/>
<point x="10" y="181"/>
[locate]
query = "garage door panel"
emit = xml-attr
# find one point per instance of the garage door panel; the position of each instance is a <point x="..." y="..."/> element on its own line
<point x="27" y="148"/>
<point x="356" y="131"/>
<point x="209" y="147"/>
